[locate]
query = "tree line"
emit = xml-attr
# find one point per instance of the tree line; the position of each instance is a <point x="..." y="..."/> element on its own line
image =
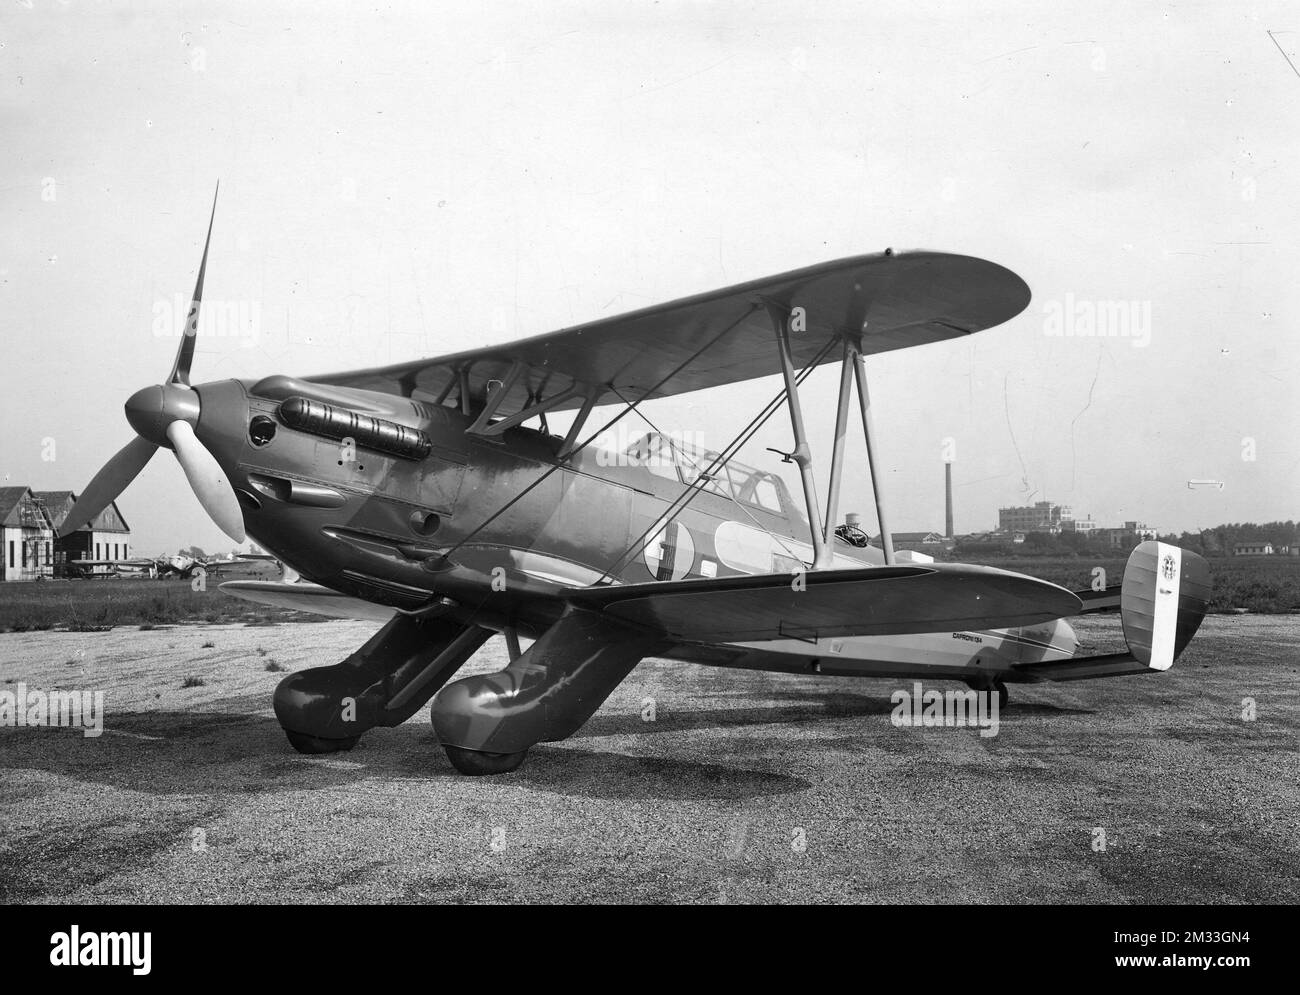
<point x="1217" y="541"/>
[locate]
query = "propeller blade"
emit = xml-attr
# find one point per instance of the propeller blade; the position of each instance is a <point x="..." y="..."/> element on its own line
<point x="185" y="351"/>
<point x="108" y="483"/>
<point x="207" y="480"/>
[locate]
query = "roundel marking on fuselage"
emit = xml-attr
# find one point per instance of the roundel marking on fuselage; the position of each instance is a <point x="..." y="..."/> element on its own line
<point x="670" y="552"/>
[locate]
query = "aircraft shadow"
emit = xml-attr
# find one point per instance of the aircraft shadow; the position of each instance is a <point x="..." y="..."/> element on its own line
<point x="787" y="707"/>
<point x="229" y="753"/>
<point x="609" y="775"/>
<point x="1042" y="708"/>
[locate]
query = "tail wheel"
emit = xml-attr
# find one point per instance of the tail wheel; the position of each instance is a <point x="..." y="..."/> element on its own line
<point x="315" y="745"/>
<point x="475" y="763"/>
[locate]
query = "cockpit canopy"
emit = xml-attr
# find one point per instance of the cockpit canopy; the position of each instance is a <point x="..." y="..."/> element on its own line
<point x="673" y="459"/>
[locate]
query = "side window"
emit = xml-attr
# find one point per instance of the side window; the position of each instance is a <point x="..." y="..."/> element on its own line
<point x="766" y="495"/>
<point x="658" y="458"/>
<point x="666" y="470"/>
<point x="721" y="482"/>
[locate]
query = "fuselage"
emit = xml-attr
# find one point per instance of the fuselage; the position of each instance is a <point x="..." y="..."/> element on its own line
<point x="391" y="500"/>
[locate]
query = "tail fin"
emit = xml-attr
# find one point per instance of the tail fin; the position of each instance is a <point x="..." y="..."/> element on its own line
<point x="1162" y="600"/>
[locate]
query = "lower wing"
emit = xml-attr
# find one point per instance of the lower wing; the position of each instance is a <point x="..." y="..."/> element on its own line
<point x="306" y="597"/>
<point x="868" y="601"/>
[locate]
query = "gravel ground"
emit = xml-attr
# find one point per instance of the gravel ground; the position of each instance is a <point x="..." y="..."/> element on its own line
<point x="746" y="787"/>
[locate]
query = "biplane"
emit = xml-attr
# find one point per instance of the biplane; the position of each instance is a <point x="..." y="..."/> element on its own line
<point x="432" y="497"/>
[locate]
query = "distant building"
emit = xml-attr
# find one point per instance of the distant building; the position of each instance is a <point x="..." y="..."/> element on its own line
<point x="1042" y="516"/>
<point x="104" y="537"/>
<point x="1253" y="549"/>
<point x="28" y="536"/>
<point x="1084" y="525"/>
<point x="1126" y="537"/>
<point x="922" y="542"/>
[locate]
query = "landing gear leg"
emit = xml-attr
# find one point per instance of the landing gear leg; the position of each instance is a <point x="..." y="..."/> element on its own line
<point x="487" y="723"/>
<point x="991" y="684"/>
<point x="384" y="683"/>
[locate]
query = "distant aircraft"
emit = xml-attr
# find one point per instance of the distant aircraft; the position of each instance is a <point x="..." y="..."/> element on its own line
<point x="415" y="494"/>
<point x="135" y="567"/>
<point x="180" y="565"/>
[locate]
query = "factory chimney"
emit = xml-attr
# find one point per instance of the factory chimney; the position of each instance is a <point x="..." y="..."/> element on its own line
<point x="947" y="488"/>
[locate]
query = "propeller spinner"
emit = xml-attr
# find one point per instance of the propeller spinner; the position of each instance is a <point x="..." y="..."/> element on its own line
<point x="164" y="416"/>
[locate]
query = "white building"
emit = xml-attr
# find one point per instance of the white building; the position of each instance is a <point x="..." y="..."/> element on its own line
<point x="28" y="536"/>
<point x="1258" y="548"/>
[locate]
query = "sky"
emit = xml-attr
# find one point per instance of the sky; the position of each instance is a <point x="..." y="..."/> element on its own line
<point x="401" y="181"/>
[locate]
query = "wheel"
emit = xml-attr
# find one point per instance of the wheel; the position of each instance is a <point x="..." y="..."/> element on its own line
<point x="476" y="763"/>
<point x="1003" y="695"/>
<point x="303" y="743"/>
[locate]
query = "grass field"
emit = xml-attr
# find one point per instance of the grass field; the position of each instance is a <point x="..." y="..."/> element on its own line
<point x="90" y="605"/>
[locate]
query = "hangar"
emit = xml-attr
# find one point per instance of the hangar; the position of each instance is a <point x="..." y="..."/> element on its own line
<point x="30" y="549"/>
<point x="104" y="537"/>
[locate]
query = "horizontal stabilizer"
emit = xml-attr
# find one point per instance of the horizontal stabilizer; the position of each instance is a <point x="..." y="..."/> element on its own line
<point x="1084" y="668"/>
<point x="868" y="601"/>
<point x="1096" y="602"/>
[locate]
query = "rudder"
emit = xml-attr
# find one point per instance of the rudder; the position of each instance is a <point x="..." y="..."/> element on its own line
<point x="1163" y="598"/>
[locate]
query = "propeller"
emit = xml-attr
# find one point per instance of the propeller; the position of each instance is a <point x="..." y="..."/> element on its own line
<point x="165" y="416"/>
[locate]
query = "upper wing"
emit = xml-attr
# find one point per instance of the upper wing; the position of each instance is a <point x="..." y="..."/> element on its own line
<point x="867" y="601"/>
<point x="882" y="301"/>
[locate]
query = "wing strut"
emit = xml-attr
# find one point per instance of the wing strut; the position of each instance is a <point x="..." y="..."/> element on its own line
<point x="837" y="453"/>
<point x="864" y="402"/>
<point x="802" y="454"/>
<point x="852" y="367"/>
